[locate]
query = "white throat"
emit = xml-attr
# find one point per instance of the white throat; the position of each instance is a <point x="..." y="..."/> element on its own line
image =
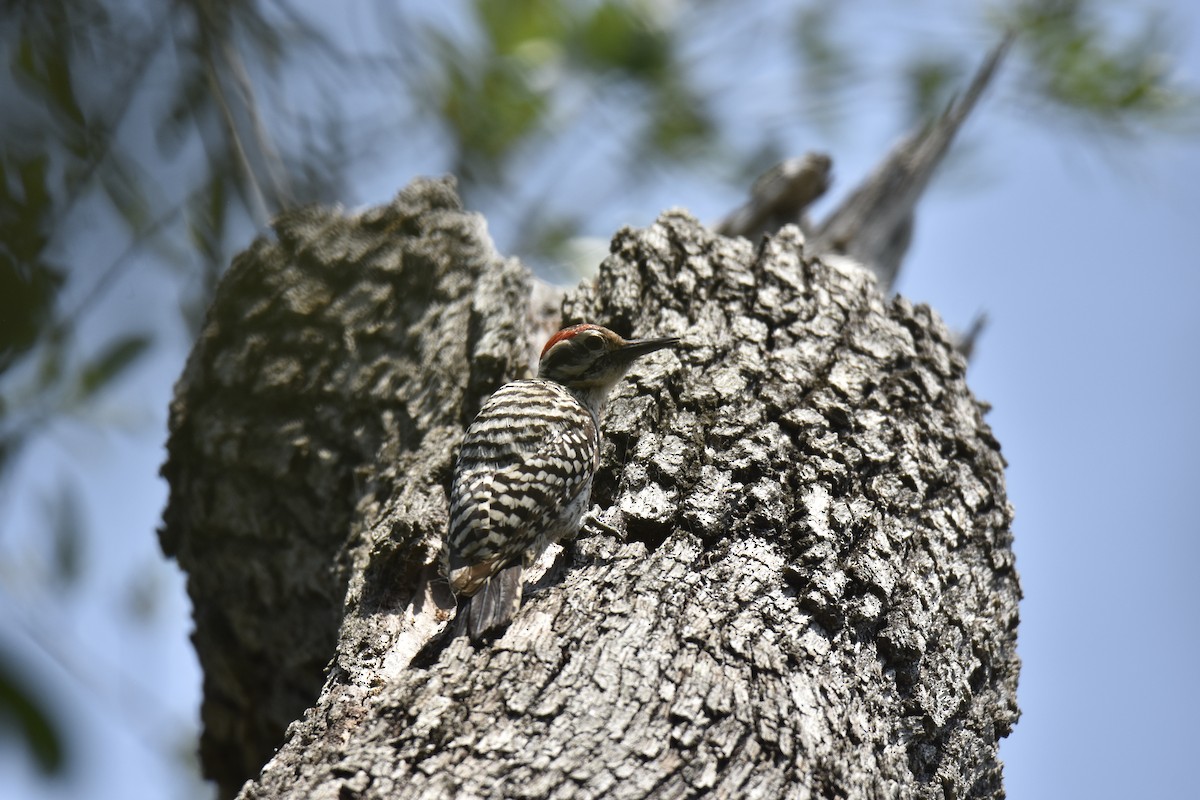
<point x="593" y="397"/>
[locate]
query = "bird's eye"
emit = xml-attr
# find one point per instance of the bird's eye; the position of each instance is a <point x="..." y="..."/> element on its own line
<point x="593" y="343"/>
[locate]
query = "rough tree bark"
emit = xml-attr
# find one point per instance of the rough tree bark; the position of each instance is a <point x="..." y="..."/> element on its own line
<point x="812" y="594"/>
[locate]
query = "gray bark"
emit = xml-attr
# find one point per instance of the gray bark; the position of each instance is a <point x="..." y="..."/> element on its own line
<point x="803" y="585"/>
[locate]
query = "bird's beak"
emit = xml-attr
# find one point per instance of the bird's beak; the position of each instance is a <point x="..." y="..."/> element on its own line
<point x="635" y="348"/>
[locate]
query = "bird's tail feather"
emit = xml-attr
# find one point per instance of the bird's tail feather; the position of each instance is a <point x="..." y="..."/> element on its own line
<point x="491" y="608"/>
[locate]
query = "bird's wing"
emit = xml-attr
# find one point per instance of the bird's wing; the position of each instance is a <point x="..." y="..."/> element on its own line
<point x="521" y="466"/>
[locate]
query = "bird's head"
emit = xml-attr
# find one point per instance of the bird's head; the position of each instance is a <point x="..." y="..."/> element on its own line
<point x="591" y="358"/>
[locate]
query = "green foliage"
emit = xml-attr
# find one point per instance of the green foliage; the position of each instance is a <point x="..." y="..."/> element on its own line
<point x="505" y="93"/>
<point x="491" y="107"/>
<point x="1081" y="66"/>
<point x="510" y="25"/>
<point x="620" y="37"/>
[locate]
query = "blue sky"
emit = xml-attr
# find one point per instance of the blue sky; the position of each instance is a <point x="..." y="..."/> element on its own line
<point x="1084" y="255"/>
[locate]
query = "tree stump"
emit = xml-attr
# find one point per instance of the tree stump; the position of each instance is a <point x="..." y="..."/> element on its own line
<point x="802" y="583"/>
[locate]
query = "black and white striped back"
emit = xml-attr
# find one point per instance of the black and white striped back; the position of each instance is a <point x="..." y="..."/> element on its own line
<point x="522" y="481"/>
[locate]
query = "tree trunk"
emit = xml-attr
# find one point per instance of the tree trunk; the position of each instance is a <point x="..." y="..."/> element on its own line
<point x="801" y="584"/>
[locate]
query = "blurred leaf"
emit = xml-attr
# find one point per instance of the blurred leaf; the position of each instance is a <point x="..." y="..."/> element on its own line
<point x="1080" y="65"/>
<point x="178" y="125"/>
<point x="548" y="236"/>
<point x="24" y="714"/>
<point x="930" y="83"/>
<point x="25" y="206"/>
<point x="247" y="19"/>
<point x="207" y="210"/>
<point x="66" y="531"/>
<point x="29" y="285"/>
<point x="616" y="36"/>
<point x="144" y="591"/>
<point x="51" y="356"/>
<point x="27" y="294"/>
<point x="42" y="62"/>
<point x="35" y="194"/>
<point x="679" y="125"/>
<point x="491" y="109"/>
<point x="826" y="68"/>
<point x="114" y="359"/>
<point x="128" y="195"/>
<point x="57" y="76"/>
<point x="511" y="24"/>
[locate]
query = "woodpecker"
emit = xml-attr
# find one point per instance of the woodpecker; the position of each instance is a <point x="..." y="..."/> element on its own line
<point x="524" y="473"/>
